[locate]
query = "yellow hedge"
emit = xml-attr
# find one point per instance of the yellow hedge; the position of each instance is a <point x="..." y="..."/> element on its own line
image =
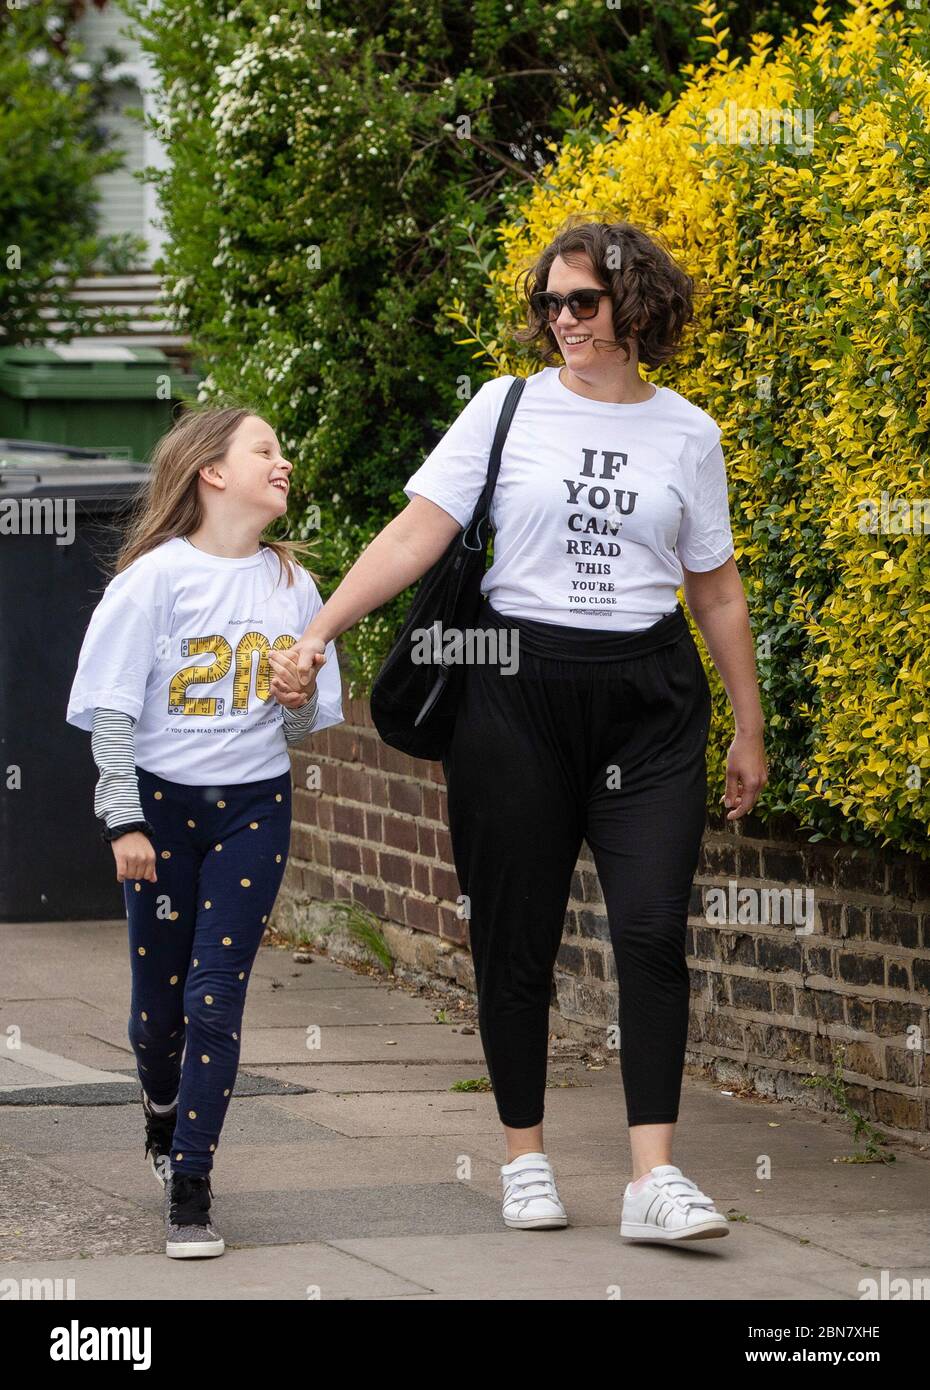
<point x="811" y="350"/>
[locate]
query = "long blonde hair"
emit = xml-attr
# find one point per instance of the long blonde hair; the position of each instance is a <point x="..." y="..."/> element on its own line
<point x="168" y="503"/>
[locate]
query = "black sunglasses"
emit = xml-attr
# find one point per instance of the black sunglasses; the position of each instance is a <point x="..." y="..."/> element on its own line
<point x="582" y="304"/>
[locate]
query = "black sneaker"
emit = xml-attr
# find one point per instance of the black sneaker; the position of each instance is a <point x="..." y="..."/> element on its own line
<point x="159" y="1132"/>
<point x="189" y="1232"/>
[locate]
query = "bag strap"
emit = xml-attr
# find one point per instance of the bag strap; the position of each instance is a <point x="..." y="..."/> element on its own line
<point x="483" y="505"/>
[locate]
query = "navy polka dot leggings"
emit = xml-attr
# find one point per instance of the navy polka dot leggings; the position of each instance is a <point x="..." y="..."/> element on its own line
<point x="220" y="855"/>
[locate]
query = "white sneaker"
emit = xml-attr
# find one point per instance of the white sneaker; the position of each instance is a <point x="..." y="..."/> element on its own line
<point x="669" y="1206"/>
<point x="531" y="1201"/>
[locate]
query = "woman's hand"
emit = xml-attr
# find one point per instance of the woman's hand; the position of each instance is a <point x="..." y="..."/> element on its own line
<point x="287" y="685"/>
<point x="310" y="654"/>
<point x="135" y="856"/>
<point x="747" y="774"/>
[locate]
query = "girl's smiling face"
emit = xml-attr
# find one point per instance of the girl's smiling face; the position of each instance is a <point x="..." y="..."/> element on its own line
<point x="256" y="474"/>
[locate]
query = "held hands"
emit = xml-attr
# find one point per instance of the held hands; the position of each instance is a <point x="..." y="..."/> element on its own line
<point x="747" y="774"/>
<point x="309" y="652"/>
<point x="293" y="674"/>
<point x="135" y="856"/>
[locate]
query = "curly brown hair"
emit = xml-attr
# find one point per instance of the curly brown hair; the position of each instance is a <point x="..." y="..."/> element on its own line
<point x="652" y="297"/>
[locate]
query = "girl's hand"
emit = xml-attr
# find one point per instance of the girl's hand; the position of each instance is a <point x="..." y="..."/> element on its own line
<point x="286" y="684"/>
<point x="747" y="774"/>
<point x="135" y="856"/>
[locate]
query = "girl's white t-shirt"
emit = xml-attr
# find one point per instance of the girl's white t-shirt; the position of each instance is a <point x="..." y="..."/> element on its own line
<point x="597" y="506"/>
<point x="178" y="641"/>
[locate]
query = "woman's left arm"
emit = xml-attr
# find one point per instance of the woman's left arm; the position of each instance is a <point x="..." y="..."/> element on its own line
<point x="718" y="606"/>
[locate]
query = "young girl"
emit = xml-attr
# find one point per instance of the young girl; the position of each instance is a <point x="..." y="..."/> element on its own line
<point x="185" y="681"/>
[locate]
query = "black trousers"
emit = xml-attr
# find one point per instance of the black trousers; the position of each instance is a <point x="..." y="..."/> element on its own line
<point x="601" y="737"/>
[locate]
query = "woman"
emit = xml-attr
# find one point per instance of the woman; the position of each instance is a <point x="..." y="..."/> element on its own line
<point x="611" y="494"/>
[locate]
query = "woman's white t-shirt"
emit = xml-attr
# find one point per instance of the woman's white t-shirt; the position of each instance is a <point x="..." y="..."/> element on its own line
<point x="597" y="506"/>
<point x="178" y="641"/>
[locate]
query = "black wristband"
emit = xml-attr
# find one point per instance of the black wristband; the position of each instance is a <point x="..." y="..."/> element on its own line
<point x="113" y="832"/>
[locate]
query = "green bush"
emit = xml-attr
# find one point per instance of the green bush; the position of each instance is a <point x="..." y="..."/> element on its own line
<point x="51" y="150"/>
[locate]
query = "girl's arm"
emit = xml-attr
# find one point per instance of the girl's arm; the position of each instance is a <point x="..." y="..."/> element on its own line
<point x="299" y="722"/>
<point x="116" y="798"/>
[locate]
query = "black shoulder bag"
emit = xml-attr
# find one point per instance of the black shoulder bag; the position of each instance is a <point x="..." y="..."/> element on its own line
<point x="415" y="693"/>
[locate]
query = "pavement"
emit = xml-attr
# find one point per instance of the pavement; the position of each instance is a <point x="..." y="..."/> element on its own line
<point x="349" y="1168"/>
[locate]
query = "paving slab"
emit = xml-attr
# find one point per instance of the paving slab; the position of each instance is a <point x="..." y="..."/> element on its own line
<point x="596" y="1263"/>
<point x="395" y="1042"/>
<point x="361" y="1078"/>
<point x="15" y="1075"/>
<point x="276" y="964"/>
<point x="86" y="1049"/>
<point x="881" y="1239"/>
<point x="49" y="1069"/>
<point x="402" y="1114"/>
<point x="299" y="1272"/>
<point x="334" y="1007"/>
<point x="35" y="1019"/>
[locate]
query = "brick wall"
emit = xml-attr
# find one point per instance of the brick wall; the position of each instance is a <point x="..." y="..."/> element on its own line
<point x="770" y="999"/>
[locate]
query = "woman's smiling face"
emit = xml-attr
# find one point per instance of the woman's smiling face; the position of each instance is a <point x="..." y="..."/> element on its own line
<point x="575" y="337"/>
<point x="256" y="473"/>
